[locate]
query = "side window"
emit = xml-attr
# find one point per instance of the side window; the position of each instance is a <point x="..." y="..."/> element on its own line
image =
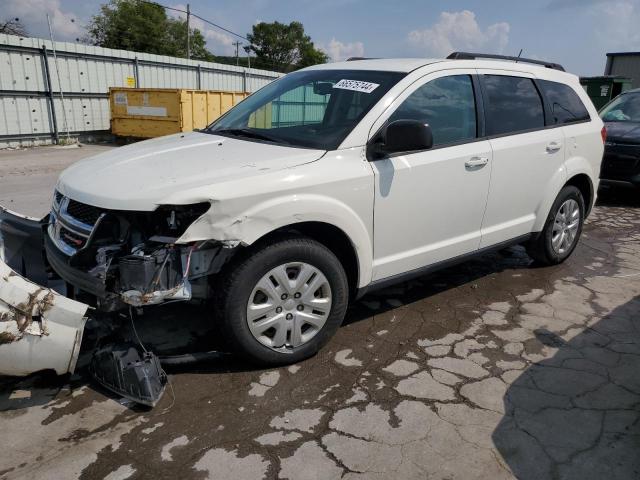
<point x="512" y="104"/>
<point x="566" y="106"/>
<point x="447" y="104"/>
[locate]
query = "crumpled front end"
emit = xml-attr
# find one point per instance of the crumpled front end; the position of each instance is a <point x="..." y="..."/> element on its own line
<point x="39" y="328"/>
<point x="130" y="258"/>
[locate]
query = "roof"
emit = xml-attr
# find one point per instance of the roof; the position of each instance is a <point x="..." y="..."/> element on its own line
<point x="407" y="65"/>
<point x="623" y="54"/>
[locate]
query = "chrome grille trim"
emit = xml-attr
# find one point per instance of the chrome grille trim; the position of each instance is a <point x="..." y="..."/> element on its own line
<point x="61" y="219"/>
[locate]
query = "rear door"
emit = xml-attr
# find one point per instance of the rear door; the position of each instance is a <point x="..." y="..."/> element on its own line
<point x="429" y="204"/>
<point x="583" y="138"/>
<point x="526" y="154"/>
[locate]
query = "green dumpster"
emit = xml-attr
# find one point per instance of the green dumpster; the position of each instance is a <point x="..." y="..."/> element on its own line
<point x="603" y="89"/>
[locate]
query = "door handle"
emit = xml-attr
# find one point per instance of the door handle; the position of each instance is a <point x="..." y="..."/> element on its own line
<point x="553" y="147"/>
<point x="476" y="162"/>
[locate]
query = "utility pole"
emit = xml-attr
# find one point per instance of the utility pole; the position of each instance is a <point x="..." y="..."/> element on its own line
<point x="237" y="44"/>
<point x="188" y="33"/>
<point x="248" y="50"/>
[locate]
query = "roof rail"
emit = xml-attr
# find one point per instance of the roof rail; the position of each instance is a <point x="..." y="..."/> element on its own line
<point x="354" y="59"/>
<point x="473" y="56"/>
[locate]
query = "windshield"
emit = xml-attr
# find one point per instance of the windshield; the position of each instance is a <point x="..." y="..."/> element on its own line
<point x="625" y="108"/>
<point x="312" y="109"/>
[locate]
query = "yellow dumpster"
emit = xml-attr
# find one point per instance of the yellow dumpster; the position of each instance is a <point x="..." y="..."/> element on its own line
<point x="153" y="112"/>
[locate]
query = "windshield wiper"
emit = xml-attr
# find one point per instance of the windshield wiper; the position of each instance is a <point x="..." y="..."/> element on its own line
<point x="245" y="132"/>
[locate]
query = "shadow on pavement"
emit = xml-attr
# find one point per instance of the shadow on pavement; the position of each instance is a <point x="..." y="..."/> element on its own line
<point x="577" y="414"/>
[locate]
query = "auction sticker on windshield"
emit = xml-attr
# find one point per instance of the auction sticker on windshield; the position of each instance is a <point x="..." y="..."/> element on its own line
<point x="356" y="85"/>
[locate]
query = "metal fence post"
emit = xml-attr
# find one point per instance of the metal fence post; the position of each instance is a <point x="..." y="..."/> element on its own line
<point x="199" y="77"/>
<point x="47" y="81"/>
<point x="244" y="81"/>
<point x="136" y="71"/>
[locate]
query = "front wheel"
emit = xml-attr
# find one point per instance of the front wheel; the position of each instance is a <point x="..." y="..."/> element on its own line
<point x="562" y="229"/>
<point x="283" y="301"/>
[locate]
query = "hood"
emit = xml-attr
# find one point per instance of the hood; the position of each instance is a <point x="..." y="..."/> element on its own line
<point x="627" y="132"/>
<point x="140" y="176"/>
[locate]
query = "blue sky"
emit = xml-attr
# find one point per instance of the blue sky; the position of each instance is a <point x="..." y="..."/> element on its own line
<point x="575" y="33"/>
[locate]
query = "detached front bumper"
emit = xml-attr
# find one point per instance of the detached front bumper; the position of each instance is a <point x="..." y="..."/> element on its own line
<point x="39" y="328"/>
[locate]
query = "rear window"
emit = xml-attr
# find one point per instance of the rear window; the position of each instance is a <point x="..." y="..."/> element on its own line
<point x="566" y="106"/>
<point x="512" y="104"/>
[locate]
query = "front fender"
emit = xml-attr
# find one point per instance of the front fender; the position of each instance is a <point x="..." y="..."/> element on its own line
<point x="257" y="221"/>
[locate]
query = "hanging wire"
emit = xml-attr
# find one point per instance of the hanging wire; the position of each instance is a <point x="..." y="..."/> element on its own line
<point x="231" y="32"/>
<point x="173" y="393"/>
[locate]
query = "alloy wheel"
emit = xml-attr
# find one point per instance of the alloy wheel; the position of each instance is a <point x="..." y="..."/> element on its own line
<point x="565" y="227"/>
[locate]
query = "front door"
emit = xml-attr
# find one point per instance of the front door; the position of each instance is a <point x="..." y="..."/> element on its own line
<point x="429" y="205"/>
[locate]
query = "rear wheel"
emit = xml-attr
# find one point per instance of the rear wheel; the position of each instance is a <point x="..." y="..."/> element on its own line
<point x="562" y="229"/>
<point x="283" y="301"/>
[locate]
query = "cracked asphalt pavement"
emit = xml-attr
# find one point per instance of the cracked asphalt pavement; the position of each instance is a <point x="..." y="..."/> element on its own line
<point x="491" y="369"/>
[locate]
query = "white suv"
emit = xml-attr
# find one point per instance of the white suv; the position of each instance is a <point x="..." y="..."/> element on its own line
<point x="328" y="183"/>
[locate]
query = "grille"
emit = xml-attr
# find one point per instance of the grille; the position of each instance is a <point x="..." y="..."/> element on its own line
<point x="72" y="223"/>
<point x="84" y="213"/>
<point x="72" y="239"/>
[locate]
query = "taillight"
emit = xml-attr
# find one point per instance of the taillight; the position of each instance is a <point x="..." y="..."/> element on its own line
<point x="603" y="132"/>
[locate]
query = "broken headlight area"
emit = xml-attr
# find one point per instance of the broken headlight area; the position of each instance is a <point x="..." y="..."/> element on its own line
<point x="130" y="258"/>
<point x="42" y="329"/>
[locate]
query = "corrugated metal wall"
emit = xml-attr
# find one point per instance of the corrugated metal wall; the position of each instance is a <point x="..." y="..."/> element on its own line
<point x="299" y="106"/>
<point x="28" y="98"/>
<point x="624" y="65"/>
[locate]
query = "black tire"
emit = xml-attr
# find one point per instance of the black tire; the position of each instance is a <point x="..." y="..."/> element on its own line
<point x="540" y="248"/>
<point x="237" y="283"/>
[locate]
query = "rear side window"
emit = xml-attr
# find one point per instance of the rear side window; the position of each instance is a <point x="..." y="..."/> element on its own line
<point x="447" y="105"/>
<point x="512" y="104"/>
<point x="566" y="106"/>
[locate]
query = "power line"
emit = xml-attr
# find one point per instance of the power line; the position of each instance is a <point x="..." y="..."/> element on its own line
<point x="190" y="13"/>
<point x="199" y="17"/>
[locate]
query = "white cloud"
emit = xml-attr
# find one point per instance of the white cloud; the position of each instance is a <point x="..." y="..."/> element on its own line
<point x="339" y="51"/>
<point x="617" y="24"/>
<point x="460" y="31"/>
<point x="32" y="14"/>
<point x="219" y="42"/>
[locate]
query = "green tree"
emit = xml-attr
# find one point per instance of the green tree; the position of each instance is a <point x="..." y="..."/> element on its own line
<point x="283" y="47"/>
<point x="13" y="27"/>
<point x="130" y="25"/>
<point x="177" y="30"/>
<point x="144" y="27"/>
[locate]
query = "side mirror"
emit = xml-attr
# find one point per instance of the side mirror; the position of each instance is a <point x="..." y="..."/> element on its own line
<point x="407" y="136"/>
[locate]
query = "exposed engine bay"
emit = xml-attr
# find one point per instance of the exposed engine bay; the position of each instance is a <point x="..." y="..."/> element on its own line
<point x="131" y="258"/>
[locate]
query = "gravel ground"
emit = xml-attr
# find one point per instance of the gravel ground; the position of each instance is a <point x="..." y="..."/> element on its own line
<point x="28" y="175"/>
<point x="490" y="369"/>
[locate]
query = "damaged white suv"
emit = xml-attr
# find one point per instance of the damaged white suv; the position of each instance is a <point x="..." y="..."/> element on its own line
<point x="328" y="183"/>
